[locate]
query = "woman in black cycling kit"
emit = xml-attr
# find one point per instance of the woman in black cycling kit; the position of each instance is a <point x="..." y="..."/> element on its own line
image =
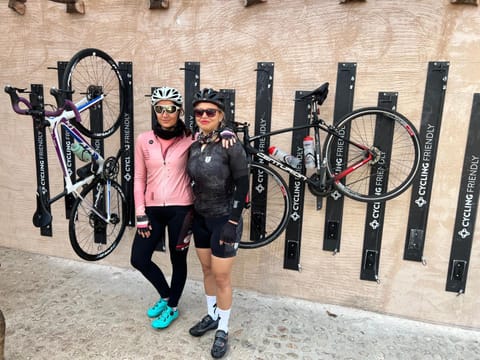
<point x="220" y="185"/>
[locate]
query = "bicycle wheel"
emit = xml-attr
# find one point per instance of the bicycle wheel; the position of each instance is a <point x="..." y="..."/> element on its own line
<point x="90" y="73"/>
<point x="393" y="141"/>
<point x="91" y="236"/>
<point x="267" y="209"/>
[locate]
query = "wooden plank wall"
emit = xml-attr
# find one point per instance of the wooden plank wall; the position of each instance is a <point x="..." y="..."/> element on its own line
<point x="391" y="42"/>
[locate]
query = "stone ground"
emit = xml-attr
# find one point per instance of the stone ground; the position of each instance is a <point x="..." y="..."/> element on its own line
<point x="64" y="309"/>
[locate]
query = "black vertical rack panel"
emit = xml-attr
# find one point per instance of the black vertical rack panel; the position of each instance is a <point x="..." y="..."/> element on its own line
<point x="434" y="98"/>
<point x="466" y="207"/>
<point x="293" y="232"/>
<point x="263" y="118"/>
<point x="41" y="158"/>
<point x="96" y="124"/>
<point x="346" y="75"/>
<point x="67" y="141"/>
<point x="372" y="240"/>
<point x="192" y="85"/>
<point x="127" y="141"/>
<point x="229" y="100"/>
<point x="153" y="117"/>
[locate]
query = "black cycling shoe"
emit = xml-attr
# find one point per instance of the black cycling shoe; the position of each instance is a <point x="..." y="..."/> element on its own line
<point x="220" y="345"/>
<point x="204" y="325"/>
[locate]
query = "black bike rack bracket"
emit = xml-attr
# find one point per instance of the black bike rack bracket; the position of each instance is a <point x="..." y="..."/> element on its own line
<point x="293" y="233"/>
<point x="346" y="75"/>
<point x="192" y="85"/>
<point x="263" y="121"/>
<point x="229" y="99"/>
<point x="373" y="233"/>
<point x="466" y="206"/>
<point x="422" y="184"/>
<point x="67" y="142"/>
<point x="127" y="141"/>
<point x="41" y="159"/>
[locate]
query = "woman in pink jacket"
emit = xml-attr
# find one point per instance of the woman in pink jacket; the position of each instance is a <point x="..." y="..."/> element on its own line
<point x="163" y="199"/>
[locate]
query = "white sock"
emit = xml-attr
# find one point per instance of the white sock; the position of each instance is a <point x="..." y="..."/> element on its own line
<point x="224" y="317"/>
<point x="212" y="306"/>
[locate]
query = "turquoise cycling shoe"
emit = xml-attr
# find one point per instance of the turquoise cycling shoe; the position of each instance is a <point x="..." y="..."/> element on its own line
<point x="164" y="320"/>
<point x="157" y="309"/>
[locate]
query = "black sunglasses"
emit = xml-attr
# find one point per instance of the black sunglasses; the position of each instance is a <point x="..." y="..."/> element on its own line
<point x="170" y="109"/>
<point x="209" y="112"/>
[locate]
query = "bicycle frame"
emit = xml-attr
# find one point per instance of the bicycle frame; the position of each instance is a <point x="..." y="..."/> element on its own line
<point x="55" y="120"/>
<point x="63" y="120"/>
<point x="317" y="124"/>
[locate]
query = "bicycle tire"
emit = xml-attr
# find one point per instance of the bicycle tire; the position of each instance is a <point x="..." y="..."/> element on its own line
<point x="92" y="238"/>
<point x="88" y="72"/>
<point x="395" y="167"/>
<point x="267" y="209"/>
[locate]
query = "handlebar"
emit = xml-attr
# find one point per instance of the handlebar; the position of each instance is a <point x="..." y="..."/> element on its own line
<point x="17" y="100"/>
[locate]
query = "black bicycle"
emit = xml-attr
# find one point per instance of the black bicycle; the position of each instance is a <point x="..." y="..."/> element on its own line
<point x="371" y="155"/>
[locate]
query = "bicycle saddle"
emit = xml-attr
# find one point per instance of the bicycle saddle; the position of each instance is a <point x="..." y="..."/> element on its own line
<point x="319" y="94"/>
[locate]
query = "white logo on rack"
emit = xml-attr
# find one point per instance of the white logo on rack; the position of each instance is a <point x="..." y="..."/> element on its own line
<point x="260" y="188"/>
<point x="374" y="224"/>
<point x="295" y="216"/>
<point x="464" y="233"/>
<point x="336" y="195"/>
<point x="420" y="201"/>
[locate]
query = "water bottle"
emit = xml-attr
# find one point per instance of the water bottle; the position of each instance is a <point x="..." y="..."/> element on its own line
<point x="80" y="152"/>
<point x="309" y="152"/>
<point x="283" y="156"/>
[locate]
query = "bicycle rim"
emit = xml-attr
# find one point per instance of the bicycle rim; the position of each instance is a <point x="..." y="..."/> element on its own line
<point x="394" y="141"/>
<point x="267" y="209"/>
<point x="91" y="237"/>
<point x="88" y="73"/>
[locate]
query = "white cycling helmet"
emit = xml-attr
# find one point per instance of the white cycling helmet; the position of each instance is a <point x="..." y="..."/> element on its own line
<point x="167" y="93"/>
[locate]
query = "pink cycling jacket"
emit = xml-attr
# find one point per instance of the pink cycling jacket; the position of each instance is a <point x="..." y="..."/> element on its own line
<point x="161" y="180"/>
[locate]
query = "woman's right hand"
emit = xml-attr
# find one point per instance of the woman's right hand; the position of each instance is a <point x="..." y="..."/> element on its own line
<point x="143" y="226"/>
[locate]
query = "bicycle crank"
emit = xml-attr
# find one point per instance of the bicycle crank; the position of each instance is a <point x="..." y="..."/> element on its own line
<point x="110" y="168"/>
<point x="317" y="188"/>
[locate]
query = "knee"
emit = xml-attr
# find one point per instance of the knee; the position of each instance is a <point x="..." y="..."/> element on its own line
<point x="207" y="270"/>
<point x="223" y="280"/>
<point x="137" y="262"/>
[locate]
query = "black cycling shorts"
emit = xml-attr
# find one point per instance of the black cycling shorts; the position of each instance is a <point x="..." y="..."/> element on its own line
<point x="207" y="232"/>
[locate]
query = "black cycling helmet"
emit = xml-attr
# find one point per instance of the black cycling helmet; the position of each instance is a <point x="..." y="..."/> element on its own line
<point x="210" y="96"/>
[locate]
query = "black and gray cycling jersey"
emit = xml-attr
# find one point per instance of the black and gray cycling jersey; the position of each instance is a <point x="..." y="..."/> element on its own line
<point x="214" y="172"/>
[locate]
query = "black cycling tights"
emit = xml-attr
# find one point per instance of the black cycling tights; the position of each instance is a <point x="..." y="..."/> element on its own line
<point x="143" y="248"/>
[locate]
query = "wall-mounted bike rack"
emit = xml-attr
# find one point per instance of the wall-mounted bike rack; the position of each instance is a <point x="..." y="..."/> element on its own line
<point x="263" y="120"/>
<point x="192" y="85"/>
<point x="372" y="239"/>
<point x="41" y="158"/>
<point x="466" y="207"/>
<point x="434" y="99"/>
<point x="346" y="76"/>
<point x="127" y="140"/>
<point x="293" y="232"/>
